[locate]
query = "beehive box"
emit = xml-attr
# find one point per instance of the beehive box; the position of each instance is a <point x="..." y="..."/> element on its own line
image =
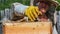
<point x="27" y="28"/>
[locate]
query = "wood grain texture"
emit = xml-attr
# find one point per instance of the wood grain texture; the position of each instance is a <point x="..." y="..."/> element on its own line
<point x="27" y="28"/>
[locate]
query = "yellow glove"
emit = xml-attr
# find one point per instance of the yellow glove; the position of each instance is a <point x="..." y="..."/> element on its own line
<point x="32" y="12"/>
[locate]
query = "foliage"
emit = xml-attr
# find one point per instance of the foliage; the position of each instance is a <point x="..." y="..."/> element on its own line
<point x="58" y="8"/>
<point x="7" y="3"/>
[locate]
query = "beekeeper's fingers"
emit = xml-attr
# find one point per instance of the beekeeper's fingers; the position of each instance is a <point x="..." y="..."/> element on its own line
<point x="29" y="16"/>
<point x="33" y="17"/>
<point x="37" y="10"/>
<point x="35" y="13"/>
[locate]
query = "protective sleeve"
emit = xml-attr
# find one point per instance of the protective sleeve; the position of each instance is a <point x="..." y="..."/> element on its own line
<point x="20" y="8"/>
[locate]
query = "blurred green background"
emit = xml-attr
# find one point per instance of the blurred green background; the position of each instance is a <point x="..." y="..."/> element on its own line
<point x="58" y="8"/>
<point x="7" y="3"/>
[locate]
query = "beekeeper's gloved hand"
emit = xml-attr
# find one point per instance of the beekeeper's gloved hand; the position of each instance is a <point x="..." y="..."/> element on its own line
<point x="32" y="12"/>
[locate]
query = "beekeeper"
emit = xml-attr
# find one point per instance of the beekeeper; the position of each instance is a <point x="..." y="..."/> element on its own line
<point x="31" y="12"/>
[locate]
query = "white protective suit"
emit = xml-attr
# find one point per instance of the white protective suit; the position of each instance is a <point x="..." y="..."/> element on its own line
<point x="20" y="8"/>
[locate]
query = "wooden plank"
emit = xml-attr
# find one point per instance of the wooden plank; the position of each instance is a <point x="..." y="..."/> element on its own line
<point x="27" y="28"/>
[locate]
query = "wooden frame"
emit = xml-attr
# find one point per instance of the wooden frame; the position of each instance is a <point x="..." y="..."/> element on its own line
<point x="27" y="28"/>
